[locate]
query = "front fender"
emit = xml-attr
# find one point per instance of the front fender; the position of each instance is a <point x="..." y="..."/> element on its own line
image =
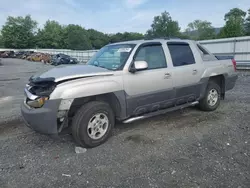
<point x="82" y="88"/>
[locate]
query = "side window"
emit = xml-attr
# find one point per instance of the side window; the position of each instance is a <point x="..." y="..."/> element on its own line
<point x="181" y="54"/>
<point x="153" y="55"/>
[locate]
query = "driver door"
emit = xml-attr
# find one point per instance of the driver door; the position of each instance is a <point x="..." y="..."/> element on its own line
<point x="151" y="89"/>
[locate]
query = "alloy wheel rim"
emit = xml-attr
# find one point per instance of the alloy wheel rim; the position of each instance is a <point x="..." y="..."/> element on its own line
<point x="212" y="97"/>
<point x="98" y="126"/>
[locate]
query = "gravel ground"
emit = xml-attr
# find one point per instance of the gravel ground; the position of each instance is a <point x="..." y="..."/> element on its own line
<point x="186" y="148"/>
<point x="14" y="74"/>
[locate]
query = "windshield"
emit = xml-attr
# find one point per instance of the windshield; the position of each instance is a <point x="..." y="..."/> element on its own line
<point x="112" y="57"/>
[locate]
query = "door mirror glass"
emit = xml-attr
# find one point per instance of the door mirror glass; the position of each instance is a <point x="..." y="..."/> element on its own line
<point x="141" y="65"/>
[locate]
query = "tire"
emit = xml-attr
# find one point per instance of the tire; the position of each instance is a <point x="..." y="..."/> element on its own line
<point x="90" y="113"/>
<point x="204" y="103"/>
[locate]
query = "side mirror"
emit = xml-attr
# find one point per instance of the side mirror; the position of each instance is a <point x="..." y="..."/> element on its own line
<point x="139" y="65"/>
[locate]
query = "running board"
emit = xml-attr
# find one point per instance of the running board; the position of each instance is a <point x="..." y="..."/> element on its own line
<point x="151" y="114"/>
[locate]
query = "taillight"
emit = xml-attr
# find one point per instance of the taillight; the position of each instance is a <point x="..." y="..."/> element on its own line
<point x="234" y="64"/>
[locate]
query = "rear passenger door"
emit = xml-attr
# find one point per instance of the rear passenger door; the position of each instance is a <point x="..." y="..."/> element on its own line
<point x="187" y="72"/>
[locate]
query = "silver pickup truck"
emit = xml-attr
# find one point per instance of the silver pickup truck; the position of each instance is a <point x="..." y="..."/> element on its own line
<point x="126" y="81"/>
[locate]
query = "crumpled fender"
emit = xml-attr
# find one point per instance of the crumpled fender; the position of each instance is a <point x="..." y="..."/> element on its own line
<point x="87" y="87"/>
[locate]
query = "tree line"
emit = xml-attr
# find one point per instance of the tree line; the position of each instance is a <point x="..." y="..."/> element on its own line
<point x="23" y="32"/>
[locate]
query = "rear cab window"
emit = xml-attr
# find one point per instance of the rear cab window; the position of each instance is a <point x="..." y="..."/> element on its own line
<point x="181" y="54"/>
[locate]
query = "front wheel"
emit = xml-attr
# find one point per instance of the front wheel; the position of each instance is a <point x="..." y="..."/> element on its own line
<point x="93" y="124"/>
<point x="211" y="100"/>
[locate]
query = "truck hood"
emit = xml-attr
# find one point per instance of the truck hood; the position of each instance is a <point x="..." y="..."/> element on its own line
<point x="62" y="73"/>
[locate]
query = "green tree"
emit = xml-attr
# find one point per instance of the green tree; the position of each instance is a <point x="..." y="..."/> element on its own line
<point x="132" y="36"/>
<point x="51" y="36"/>
<point x="234" y="26"/>
<point x="18" y="32"/>
<point x="76" y="38"/>
<point x="97" y="38"/>
<point x="184" y="36"/>
<point x="164" y="26"/>
<point x="247" y="23"/>
<point x="200" y="30"/>
<point x="118" y="37"/>
<point x="1" y="41"/>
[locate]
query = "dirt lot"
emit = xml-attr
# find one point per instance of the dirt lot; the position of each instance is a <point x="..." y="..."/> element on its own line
<point x="186" y="148"/>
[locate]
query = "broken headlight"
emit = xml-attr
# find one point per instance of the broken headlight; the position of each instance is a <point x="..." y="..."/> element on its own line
<point x="37" y="103"/>
<point x="41" y="90"/>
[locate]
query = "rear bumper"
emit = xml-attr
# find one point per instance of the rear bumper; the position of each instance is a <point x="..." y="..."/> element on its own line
<point x="230" y="82"/>
<point x="42" y="120"/>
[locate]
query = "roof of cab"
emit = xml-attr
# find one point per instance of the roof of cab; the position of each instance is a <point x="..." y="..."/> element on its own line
<point x="151" y="40"/>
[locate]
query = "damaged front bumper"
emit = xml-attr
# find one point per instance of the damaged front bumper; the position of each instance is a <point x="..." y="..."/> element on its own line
<point x="49" y="119"/>
<point x="44" y="119"/>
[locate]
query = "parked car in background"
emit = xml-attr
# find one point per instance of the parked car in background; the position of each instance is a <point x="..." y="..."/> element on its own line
<point x="55" y="60"/>
<point x="19" y="54"/>
<point x="8" y="54"/>
<point x="45" y="58"/>
<point x="126" y="81"/>
<point x="39" y="57"/>
<point x="36" y="57"/>
<point x="60" y="59"/>
<point x="22" y="54"/>
<point x="27" y="54"/>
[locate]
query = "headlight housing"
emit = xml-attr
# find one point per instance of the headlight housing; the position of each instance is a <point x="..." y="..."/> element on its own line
<point x="38" y="91"/>
<point x="37" y="103"/>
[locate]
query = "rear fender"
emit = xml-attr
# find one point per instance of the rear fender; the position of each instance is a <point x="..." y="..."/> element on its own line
<point x="213" y="71"/>
<point x="219" y="78"/>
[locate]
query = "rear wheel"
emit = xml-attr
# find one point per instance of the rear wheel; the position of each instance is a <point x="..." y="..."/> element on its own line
<point x="211" y="100"/>
<point x="93" y="123"/>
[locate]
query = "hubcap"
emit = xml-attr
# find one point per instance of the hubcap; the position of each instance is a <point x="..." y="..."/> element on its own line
<point x="212" y="97"/>
<point x="98" y="126"/>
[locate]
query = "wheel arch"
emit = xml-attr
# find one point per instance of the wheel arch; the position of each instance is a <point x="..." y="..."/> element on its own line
<point x="116" y="100"/>
<point x="220" y="80"/>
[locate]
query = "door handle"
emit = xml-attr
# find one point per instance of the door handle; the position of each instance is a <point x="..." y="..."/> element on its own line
<point x="167" y="75"/>
<point x="195" y="71"/>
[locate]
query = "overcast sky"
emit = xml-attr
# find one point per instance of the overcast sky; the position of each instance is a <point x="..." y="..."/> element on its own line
<point x="120" y="15"/>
